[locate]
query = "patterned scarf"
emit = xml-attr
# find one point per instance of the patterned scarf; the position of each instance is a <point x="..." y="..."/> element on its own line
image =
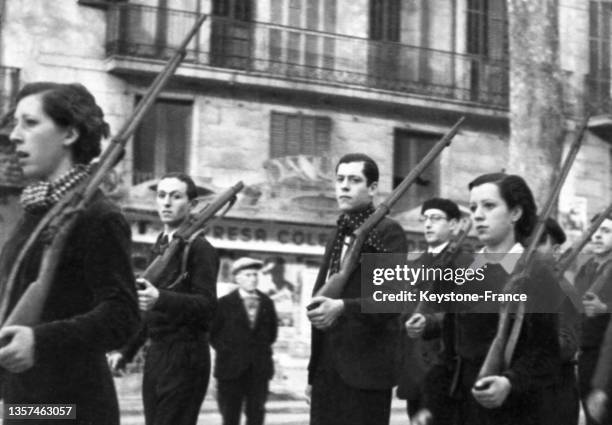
<point x="40" y="196"/>
<point x="347" y="224"/>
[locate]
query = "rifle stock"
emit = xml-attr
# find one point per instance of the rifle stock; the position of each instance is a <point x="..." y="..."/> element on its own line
<point x="334" y="286"/>
<point x="504" y="343"/>
<point x="64" y="214"/>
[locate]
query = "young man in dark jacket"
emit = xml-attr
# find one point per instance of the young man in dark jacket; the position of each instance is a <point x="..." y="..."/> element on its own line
<point x="351" y="370"/>
<point x="177" y="314"/>
<point x="592" y="281"/>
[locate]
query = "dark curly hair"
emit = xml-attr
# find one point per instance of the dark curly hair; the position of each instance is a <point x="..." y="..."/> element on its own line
<point x="515" y="193"/>
<point x="72" y="105"/>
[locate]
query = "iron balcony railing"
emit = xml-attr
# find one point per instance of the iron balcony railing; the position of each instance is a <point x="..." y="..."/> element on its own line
<point x="300" y="54"/>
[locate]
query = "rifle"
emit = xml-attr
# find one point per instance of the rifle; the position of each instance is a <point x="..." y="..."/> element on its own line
<point x="62" y="217"/>
<point x="502" y="347"/>
<point x="335" y="284"/>
<point x="190" y="228"/>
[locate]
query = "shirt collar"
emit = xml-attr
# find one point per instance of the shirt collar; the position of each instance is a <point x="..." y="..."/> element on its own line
<point x="508" y="263"/>
<point x="244" y="294"/>
<point x="170" y="235"/>
<point x="437" y="249"/>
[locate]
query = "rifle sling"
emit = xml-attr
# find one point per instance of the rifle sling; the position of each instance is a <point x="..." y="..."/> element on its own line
<point x="184" y="260"/>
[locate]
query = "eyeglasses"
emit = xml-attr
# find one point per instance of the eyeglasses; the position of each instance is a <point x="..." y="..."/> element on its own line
<point x="434" y="218"/>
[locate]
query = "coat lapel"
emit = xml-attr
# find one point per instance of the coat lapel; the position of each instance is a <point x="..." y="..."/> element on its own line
<point x="243" y="317"/>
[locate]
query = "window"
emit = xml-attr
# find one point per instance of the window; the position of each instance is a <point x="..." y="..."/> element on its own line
<point x="231" y="33"/>
<point x="487" y="42"/>
<point x="384" y="31"/>
<point x="487" y="28"/>
<point x="385" y="20"/>
<point x="298" y="134"/>
<point x="162" y="140"/>
<point x="600" y="14"/>
<point x="305" y="53"/>
<point x="409" y="148"/>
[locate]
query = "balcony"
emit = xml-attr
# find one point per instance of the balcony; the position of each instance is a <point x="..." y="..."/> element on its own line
<point x="265" y="54"/>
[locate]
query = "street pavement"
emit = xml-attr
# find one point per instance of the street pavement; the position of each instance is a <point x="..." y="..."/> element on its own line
<point x="278" y="412"/>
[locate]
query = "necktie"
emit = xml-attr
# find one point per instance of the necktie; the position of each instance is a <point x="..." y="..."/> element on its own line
<point x="163" y="243"/>
<point x="251" y="304"/>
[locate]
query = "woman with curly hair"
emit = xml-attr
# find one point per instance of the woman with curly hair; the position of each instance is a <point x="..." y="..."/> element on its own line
<point x="91" y="307"/>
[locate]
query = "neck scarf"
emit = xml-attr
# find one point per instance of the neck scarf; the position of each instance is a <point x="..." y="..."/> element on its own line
<point x="40" y="196"/>
<point x="347" y="224"/>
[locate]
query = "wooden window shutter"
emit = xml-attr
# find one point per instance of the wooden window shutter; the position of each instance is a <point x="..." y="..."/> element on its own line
<point x="277" y="135"/>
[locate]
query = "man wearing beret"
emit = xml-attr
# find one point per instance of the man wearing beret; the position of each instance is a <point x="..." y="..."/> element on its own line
<point x="352" y="369"/>
<point x="440" y="218"/>
<point x="423" y="364"/>
<point x="242" y="334"/>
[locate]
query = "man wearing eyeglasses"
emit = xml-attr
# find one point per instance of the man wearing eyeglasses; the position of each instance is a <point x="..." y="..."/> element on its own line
<point x="440" y="218"/>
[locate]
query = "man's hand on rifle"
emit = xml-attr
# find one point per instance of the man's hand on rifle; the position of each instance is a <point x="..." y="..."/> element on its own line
<point x="116" y="362"/>
<point x="415" y="326"/>
<point x="492" y="391"/>
<point x="597" y="405"/>
<point x="593" y="305"/>
<point x="325" y="313"/>
<point x="18" y="355"/>
<point x="147" y="294"/>
<point x="422" y="417"/>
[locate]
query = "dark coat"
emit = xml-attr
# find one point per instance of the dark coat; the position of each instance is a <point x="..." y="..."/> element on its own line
<point x="602" y="378"/>
<point x="185" y="311"/>
<point x="238" y="346"/>
<point x="593" y="328"/>
<point x="417" y="356"/>
<point x="91" y="309"/>
<point x="535" y="363"/>
<point x="362" y="346"/>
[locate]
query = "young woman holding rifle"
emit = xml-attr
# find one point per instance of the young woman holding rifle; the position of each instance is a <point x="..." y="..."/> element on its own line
<point x="91" y="307"/>
<point x="504" y="215"/>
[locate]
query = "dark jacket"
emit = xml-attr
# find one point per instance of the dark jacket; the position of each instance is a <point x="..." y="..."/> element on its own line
<point x="360" y="347"/>
<point x="418" y="355"/>
<point x="185" y="311"/>
<point x="535" y="363"/>
<point x="602" y="378"/>
<point x="238" y="346"/>
<point x="594" y="328"/>
<point x="91" y="309"/>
